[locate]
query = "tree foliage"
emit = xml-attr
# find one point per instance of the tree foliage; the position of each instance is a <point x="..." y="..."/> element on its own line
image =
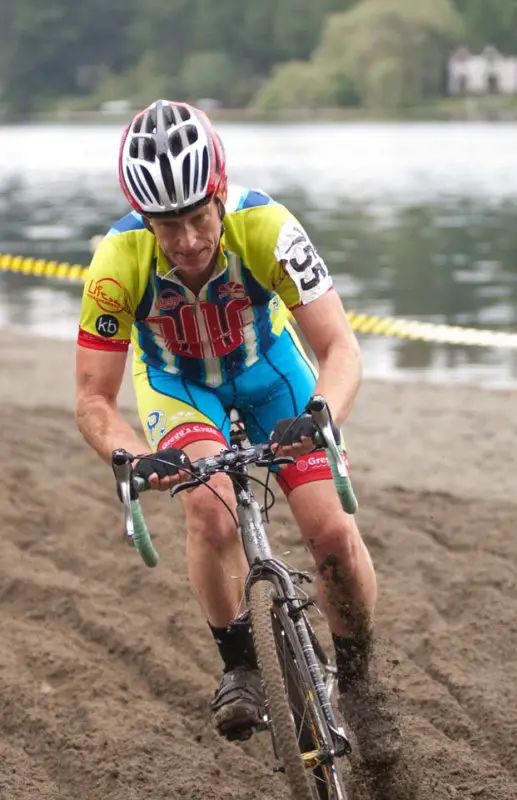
<point x="392" y="49"/>
<point x="294" y="85"/>
<point x="369" y="51"/>
<point x="492" y="22"/>
<point x="59" y="47"/>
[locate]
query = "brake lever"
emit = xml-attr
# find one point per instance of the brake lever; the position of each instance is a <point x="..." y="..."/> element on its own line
<point x="180" y="487"/>
<point x="121" y="464"/>
<point x="320" y="413"/>
<point x="271" y="462"/>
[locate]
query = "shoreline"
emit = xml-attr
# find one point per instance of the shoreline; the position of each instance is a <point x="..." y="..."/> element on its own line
<point x="424" y="376"/>
<point x="445" y="110"/>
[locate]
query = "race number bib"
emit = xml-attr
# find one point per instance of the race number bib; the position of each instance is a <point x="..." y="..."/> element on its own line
<point x="302" y="262"/>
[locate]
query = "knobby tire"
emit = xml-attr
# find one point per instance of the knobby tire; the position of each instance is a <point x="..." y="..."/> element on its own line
<point x="288" y="741"/>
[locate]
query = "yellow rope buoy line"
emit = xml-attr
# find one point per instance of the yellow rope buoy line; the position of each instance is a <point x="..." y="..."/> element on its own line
<point x="430" y="331"/>
<point x="41" y="268"/>
<point x="373" y="324"/>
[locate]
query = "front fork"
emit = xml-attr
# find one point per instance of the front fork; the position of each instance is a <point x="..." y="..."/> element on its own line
<point x="307" y="649"/>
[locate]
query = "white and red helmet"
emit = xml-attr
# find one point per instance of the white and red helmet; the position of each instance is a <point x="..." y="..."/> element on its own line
<point x="171" y="159"/>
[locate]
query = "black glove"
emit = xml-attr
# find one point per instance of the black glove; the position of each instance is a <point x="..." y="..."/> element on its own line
<point x="174" y="461"/>
<point x="165" y="462"/>
<point x="290" y="431"/>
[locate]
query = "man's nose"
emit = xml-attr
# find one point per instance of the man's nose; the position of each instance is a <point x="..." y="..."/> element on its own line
<point x="188" y="238"/>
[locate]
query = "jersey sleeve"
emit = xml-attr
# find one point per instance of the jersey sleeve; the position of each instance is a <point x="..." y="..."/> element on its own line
<point x="300" y="275"/>
<point x="108" y="305"/>
<point x="282" y="255"/>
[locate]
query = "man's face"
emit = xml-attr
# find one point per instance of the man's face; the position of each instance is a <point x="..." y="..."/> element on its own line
<point x="190" y="241"/>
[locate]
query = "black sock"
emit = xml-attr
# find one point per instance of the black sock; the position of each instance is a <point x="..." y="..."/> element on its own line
<point x="352" y="658"/>
<point x="235" y="644"/>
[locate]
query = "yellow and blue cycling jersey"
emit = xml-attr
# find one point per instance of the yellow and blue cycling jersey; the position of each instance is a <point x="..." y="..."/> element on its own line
<point x="266" y="266"/>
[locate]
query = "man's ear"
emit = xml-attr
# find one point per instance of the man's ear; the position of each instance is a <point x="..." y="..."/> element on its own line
<point x="221" y="198"/>
<point x="220" y="206"/>
<point x="147" y="223"/>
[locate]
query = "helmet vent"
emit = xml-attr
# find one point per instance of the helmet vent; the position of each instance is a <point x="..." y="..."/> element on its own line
<point x="150" y="183"/>
<point x="168" y="116"/>
<point x="150" y="122"/>
<point x="149" y="149"/>
<point x="136" y="189"/>
<point x="204" y="169"/>
<point x="196" y="172"/>
<point x="168" y="178"/>
<point x="176" y="144"/>
<point x="186" y="177"/>
<point x="192" y="134"/>
<point x="184" y="113"/>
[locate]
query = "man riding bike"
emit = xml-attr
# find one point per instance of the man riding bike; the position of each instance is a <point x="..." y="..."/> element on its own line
<point x="201" y="277"/>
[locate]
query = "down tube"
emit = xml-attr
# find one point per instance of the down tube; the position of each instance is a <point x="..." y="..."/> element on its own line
<point x="254" y="539"/>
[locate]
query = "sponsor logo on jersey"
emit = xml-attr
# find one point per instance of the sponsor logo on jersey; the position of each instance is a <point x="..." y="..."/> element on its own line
<point x="155" y="424"/>
<point x="186" y="433"/>
<point x="311" y="462"/>
<point x="231" y="290"/>
<point x="106" y="325"/>
<point x="109" y="295"/>
<point x="169" y="300"/>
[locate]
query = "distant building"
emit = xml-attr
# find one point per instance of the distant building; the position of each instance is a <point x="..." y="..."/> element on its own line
<point x="487" y="73"/>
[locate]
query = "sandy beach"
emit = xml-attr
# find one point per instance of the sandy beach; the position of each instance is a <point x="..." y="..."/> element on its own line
<point x="106" y="667"/>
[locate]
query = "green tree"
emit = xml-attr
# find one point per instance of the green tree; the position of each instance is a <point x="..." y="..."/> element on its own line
<point x="491" y="22"/>
<point x="295" y="85"/>
<point x="208" y="74"/>
<point x="58" y="48"/>
<point x="393" y="50"/>
<point x="295" y="27"/>
<point x="139" y="85"/>
<point x="164" y="29"/>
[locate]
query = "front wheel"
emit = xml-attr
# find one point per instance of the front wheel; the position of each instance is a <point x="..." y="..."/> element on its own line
<point x="297" y="731"/>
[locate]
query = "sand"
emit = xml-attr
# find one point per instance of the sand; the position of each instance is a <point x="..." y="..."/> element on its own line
<point x="106" y="666"/>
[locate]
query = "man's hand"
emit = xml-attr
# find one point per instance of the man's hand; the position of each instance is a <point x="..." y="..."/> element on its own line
<point x="164" y="469"/>
<point x="295" y="436"/>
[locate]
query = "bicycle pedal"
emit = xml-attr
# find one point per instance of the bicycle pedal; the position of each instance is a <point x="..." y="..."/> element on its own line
<point x="245" y="733"/>
<point x="239" y="735"/>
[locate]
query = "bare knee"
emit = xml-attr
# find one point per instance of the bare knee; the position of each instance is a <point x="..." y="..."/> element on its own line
<point x="336" y="540"/>
<point x="207" y="517"/>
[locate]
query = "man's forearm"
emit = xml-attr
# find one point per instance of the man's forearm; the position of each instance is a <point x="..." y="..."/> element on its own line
<point x="340" y="374"/>
<point x="105" y="429"/>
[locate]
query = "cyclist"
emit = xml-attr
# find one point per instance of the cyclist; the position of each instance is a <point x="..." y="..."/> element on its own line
<point x="202" y="277"/>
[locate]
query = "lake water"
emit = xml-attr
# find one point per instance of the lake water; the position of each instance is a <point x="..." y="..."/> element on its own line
<point x="414" y="220"/>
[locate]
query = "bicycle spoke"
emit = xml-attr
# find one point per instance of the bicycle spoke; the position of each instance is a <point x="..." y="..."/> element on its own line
<point x="322" y="777"/>
<point x="301" y="713"/>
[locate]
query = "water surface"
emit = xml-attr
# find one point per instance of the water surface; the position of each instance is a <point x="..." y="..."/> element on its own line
<point x="415" y="220"/>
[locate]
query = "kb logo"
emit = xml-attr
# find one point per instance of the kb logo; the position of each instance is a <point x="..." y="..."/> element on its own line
<point x="106" y="325"/>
